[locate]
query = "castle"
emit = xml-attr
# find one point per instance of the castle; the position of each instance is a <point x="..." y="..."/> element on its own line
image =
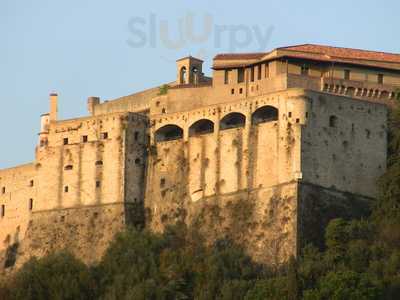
<point x="265" y="152"/>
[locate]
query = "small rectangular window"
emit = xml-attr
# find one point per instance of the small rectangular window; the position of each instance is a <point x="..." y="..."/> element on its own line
<point x="136" y="135"/>
<point x="31" y="183"/>
<point x="30" y="204"/>
<point x="240" y="75"/>
<point x="3" y="211"/>
<point x="380" y="78"/>
<point x="3" y="190"/>
<point x="259" y="72"/>
<point x="104" y="135"/>
<point x="252" y="74"/>
<point x="65" y="141"/>
<point x="66" y="189"/>
<point x="347" y="74"/>
<point x="98" y="184"/>
<point x="84" y="139"/>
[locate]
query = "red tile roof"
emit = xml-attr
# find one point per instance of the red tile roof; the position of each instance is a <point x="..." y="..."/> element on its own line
<point x="346" y="53"/>
<point x="233" y="56"/>
<point x="314" y="52"/>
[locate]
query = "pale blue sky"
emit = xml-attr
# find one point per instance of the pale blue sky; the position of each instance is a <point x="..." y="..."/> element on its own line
<point x="85" y="48"/>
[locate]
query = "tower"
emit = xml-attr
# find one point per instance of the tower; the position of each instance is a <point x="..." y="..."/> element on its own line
<point x="189" y="70"/>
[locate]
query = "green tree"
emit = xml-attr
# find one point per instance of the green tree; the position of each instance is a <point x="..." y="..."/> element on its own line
<point x="56" y="276"/>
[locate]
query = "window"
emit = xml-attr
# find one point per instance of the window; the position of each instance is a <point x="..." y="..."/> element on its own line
<point x="240" y="75"/>
<point x="168" y="133"/>
<point x="30" y="204"/>
<point x="68" y="167"/>
<point x="85" y="139"/>
<point x="104" y="135"/>
<point x="163" y="111"/>
<point x="226" y="76"/>
<point x="137" y="161"/>
<point x="367" y="133"/>
<point x="66" y="189"/>
<point x="203" y="126"/>
<point x="65" y="141"/>
<point x="347" y="74"/>
<point x="259" y="72"/>
<point x="98" y="184"/>
<point x="99" y="163"/>
<point x="380" y="78"/>
<point x="3" y="190"/>
<point x="290" y="114"/>
<point x="333" y="121"/>
<point x="136" y="135"/>
<point x="232" y="120"/>
<point x="232" y="91"/>
<point x="3" y="211"/>
<point x="305" y="70"/>
<point x="252" y="74"/>
<point x="240" y="91"/>
<point x="162" y="182"/>
<point x="264" y="114"/>
<point x="31" y="183"/>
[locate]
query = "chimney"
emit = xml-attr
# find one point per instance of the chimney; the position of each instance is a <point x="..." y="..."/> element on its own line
<point x="53" y="107"/>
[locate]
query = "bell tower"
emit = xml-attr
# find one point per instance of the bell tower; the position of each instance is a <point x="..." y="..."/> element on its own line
<point x="189" y="70"/>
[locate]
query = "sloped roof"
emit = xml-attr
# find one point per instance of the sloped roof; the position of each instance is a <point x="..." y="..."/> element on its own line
<point x="347" y="53"/>
<point x="233" y="56"/>
<point x="313" y="52"/>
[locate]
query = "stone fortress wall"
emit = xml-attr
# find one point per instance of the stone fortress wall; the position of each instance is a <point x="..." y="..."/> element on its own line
<point x="265" y="153"/>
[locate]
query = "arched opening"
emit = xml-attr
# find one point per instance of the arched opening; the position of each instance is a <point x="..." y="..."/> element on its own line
<point x="264" y="114"/>
<point x="183" y="75"/>
<point x="232" y="120"/>
<point x="333" y="121"/>
<point x="195" y="73"/>
<point x="202" y="126"/>
<point x="384" y="94"/>
<point x="350" y="91"/>
<point x="168" y="133"/>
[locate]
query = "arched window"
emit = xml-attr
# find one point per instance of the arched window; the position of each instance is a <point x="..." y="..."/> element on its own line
<point x="264" y="114"/>
<point x="202" y="126"/>
<point x="333" y="120"/>
<point x="168" y="133"/>
<point x="183" y="75"/>
<point x="195" y="73"/>
<point x="232" y="120"/>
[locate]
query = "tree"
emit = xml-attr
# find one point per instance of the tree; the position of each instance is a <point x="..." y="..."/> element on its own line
<point x="56" y="276"/>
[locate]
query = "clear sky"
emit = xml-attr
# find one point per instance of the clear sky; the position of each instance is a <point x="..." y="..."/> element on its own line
<point x="82" y="48"/>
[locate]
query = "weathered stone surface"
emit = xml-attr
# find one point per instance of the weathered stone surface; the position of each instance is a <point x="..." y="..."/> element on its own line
<point x="265" y="153"/>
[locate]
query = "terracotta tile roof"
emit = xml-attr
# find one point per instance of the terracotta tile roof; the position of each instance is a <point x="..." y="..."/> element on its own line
<point x="346" y="53"/>
<point x="233" y="56"/>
